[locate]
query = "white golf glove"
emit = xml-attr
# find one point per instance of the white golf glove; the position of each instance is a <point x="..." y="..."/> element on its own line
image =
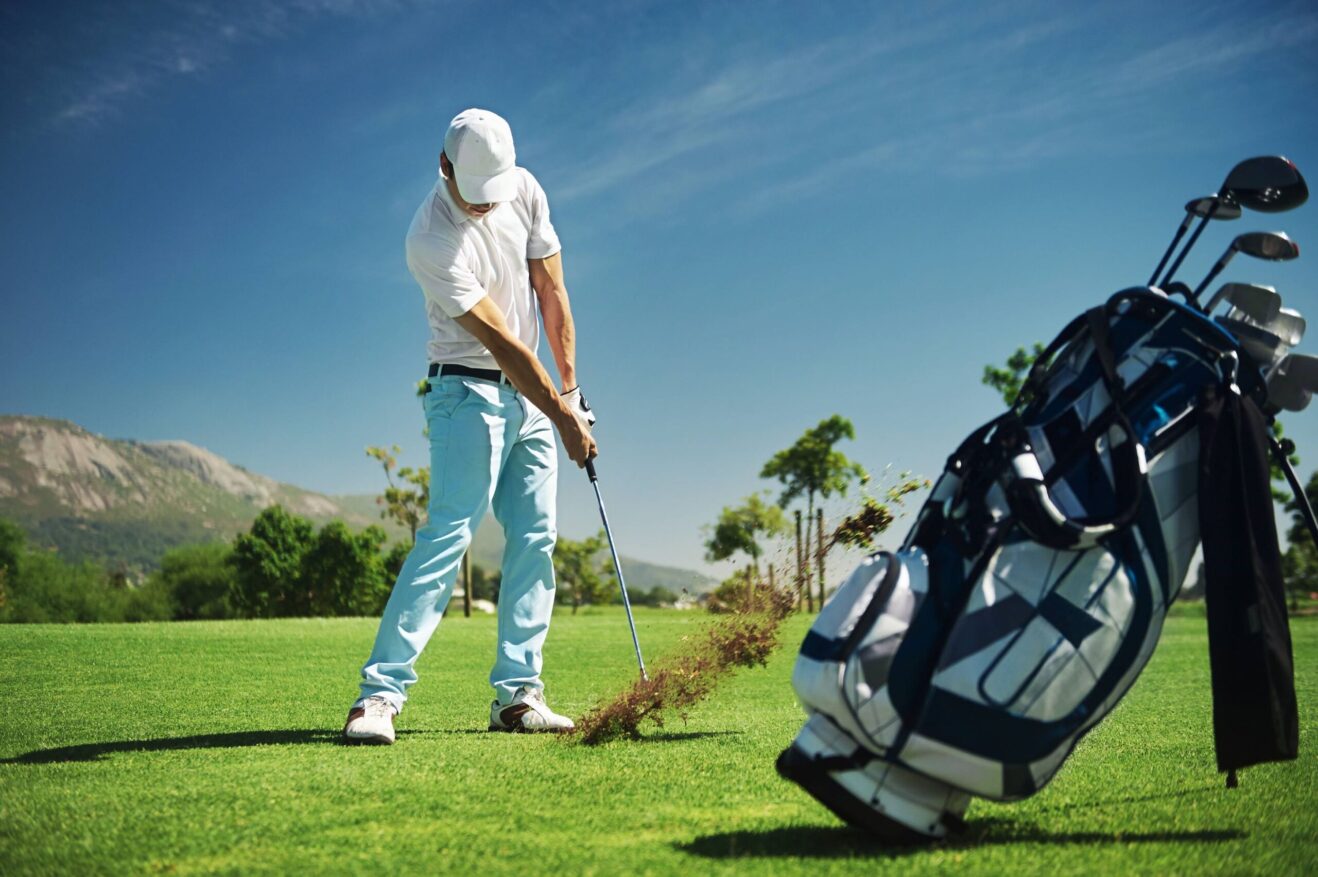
<point x="576" y="403"/>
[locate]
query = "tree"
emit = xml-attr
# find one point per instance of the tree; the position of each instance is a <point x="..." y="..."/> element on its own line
<point x="739" y="528"/>
<point x="1300" y="563"/>
<point x="343" y="573"/>
<point x="198" y="580"/>
<point x="13" y="542"/>
<point x="1008" y="381"/>
<point x="582" y="577"/>
<point x="659" y="596"/>
<point x="813" y="466"/>
<point x="407" y="499"/>
<point x="267" y="563"/>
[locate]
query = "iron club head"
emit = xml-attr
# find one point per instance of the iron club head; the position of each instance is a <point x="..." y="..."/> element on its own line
<point x="1291" y="384"/>
<point x="1274" y="246"/>
<point x="1260" y="345"/>
<point x="1289" y="324"/>
<point x="1259" y="303"/>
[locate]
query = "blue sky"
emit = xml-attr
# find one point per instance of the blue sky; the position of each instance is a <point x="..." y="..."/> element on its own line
<point x="771" y="212"/>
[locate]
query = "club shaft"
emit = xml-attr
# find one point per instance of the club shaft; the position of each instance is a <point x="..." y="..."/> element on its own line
<point x="1176" y="239"/>
<point x="1212" y="274"/>
<point x="617" y="568"/>
<point x="1301" y="498"/>
<point x="1198" y="230"/>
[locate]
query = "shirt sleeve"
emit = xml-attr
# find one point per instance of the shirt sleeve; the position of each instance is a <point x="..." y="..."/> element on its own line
<point x="441" y="269"/>
<point x="542" y="241"/>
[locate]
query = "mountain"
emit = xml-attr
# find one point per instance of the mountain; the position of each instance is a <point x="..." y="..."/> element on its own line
<point x="124" y="503"/>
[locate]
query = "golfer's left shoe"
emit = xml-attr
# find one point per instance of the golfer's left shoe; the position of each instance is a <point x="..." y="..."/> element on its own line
<point x="527" y="712"/>
<point x="371" y="722"/>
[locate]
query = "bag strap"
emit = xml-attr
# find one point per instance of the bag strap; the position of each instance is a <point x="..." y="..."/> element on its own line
<point x="1027" y="492"/>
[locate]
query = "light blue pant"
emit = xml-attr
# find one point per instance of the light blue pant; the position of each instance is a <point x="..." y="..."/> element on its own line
<point x="489" y="448"/>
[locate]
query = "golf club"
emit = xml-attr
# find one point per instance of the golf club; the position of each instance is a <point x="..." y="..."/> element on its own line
<point x="1211" y="207"/>
<point x="1260" y="344"/>
<point x="1274" y="246"/>
<point x="1292" y="382"/>
<point x="1260" y="303"/>
<point x="617" y="566"/>
<point x="1289" y="324"/>
<point x="1268" y="184"/>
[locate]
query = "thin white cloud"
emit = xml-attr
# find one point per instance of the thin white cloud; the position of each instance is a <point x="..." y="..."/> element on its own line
<point x="181" y="39"/>
<point x="995" y="90"/>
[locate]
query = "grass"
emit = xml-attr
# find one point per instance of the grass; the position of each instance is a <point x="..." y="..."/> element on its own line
<point x="211" y="747"/>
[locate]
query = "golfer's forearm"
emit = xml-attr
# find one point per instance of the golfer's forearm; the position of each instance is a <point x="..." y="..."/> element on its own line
<point x="563" y="342"/>
<point x="517" y="361"/>
<point x="547" y="280"/>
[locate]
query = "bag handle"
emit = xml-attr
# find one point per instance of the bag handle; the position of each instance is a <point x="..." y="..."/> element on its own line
<point x="1027" y="492"/>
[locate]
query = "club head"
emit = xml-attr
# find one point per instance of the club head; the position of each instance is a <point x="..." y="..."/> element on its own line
<point x="1301" y="367"/>
<point x="1269" y="184"/>
<point x="1289" y="325"/>
<point x="1259" y="304"/>
<point x="1259" y="344"/>
<point x="1274" y="246"/>
<point x="1291" y="385"/>
<point x="1213" y="207"/>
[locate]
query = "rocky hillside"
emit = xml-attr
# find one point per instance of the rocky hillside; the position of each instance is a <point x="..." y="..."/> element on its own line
<point x="125" y="503"/>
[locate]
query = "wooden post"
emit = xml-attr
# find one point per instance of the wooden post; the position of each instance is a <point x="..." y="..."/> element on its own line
<point x="771" y="582"/>
<point x="466" y="584"/>
<point x="819" y="534"/>
<point x="802" y="586"/>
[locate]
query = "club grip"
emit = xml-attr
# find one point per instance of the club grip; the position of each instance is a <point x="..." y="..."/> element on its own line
<point x="590" y="468"/>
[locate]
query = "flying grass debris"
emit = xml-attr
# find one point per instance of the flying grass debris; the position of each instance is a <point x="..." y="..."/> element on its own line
<point x="746" y="637"/>
<point x="678" y="682"/>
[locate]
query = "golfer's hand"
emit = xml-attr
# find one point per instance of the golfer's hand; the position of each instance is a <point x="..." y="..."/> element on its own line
<point x="577" y="442"/>
<point x="576" y="403"/>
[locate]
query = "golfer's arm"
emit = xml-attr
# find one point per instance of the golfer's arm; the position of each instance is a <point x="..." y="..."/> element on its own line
<point x="486" y="324"/>
<point x="547" y="281"/>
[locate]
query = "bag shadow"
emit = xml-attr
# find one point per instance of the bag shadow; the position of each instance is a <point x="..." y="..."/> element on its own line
<point x="842" y="842"/>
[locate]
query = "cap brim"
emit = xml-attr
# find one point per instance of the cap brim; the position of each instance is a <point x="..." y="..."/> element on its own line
<point x="487" y="190"/>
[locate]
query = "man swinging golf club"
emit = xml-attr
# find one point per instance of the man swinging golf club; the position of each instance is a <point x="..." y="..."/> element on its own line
<point x="483" y="250"/>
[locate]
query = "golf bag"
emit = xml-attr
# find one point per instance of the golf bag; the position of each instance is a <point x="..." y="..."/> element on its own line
<point x="1032" y="588"/>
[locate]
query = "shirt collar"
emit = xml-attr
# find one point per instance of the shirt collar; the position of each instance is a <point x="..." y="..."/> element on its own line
<point x="455" y="213"/>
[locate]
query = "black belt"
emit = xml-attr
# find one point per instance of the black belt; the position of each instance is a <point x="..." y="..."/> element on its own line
<point x="485" y="374"/>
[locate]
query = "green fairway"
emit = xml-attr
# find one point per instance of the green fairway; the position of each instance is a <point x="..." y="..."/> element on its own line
<point x="211" y="747"/>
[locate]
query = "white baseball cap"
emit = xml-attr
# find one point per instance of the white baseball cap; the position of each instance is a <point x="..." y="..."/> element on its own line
<point x="479" y="144"/>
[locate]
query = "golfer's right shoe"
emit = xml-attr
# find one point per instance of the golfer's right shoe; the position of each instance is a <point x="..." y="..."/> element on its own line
<point x="372" y="722"/>
<point x="527" y="712"/>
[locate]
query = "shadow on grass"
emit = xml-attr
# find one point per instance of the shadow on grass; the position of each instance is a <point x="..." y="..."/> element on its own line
<point x="1130" y="799"/>
<point x="678" y="736"/>
<point x="236" y="740"/>
<point x="819" y="842"/>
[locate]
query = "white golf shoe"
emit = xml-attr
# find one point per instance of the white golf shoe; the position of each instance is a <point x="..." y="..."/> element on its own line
<point x="372" y="722"/>
<point x="527" y="712"/>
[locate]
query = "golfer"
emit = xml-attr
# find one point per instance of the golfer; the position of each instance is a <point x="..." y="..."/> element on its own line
<point x="486" y="256"/>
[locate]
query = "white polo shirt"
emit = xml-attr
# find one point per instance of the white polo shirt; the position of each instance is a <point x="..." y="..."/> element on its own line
<point x="457" y="259"/>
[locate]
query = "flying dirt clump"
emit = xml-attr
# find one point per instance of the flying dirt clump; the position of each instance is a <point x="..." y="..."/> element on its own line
<point x="678" y="682"/>
<point x="744" y="638"/>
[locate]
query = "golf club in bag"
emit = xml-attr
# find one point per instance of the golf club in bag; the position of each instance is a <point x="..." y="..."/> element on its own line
<point x="1031" y="590"/>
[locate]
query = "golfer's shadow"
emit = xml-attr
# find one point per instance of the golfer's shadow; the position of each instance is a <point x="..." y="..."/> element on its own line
<point x="236" y="740"/>
<point x="840" y="842"/>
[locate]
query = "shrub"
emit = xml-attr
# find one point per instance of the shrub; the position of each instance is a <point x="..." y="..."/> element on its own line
<point x="197" y="581"/>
